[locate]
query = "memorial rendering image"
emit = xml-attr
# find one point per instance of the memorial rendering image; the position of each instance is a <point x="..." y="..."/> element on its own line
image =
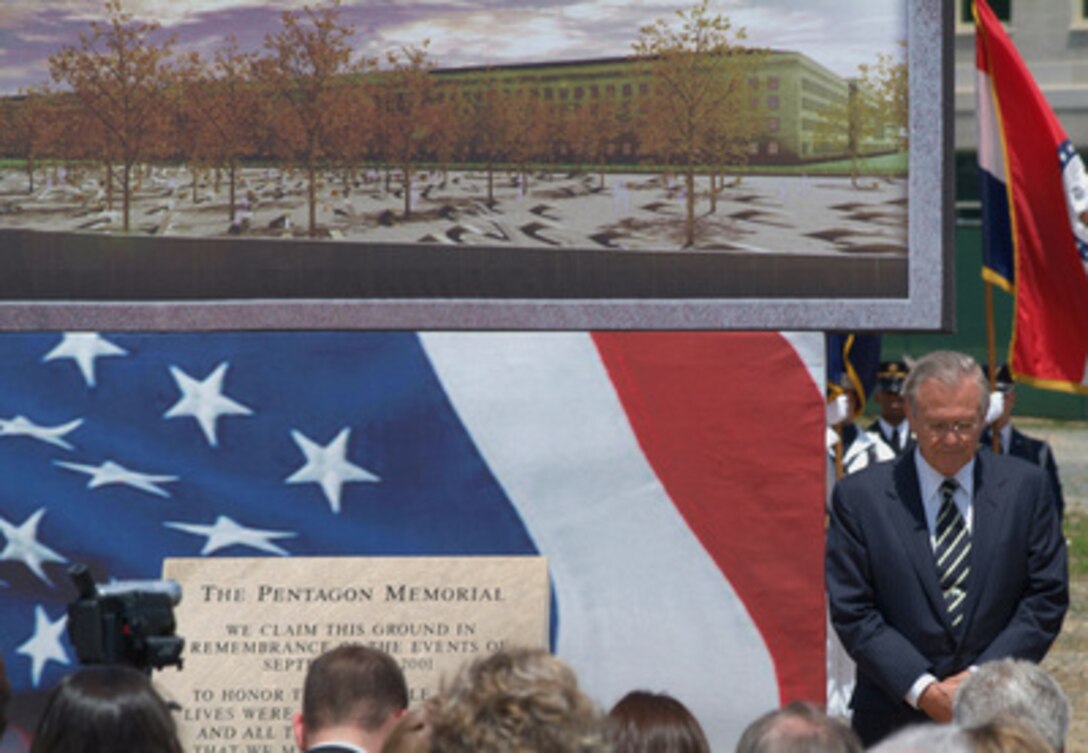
<point x="762" y="156"/>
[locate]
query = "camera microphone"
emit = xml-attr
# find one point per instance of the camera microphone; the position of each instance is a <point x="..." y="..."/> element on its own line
<point x="83" y="580"/>
<point x="169" y="588"/>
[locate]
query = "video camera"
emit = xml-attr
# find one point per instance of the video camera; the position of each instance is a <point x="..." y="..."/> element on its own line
<point x="123" y="623"/>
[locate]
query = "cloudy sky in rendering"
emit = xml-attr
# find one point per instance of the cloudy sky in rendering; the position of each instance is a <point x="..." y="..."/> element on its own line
<point x="839" y="34"/>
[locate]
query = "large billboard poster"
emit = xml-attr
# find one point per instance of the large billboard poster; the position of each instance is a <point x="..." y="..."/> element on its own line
<point x="483" y="165"/>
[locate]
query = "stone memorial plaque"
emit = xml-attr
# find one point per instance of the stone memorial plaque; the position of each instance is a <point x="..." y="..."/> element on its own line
<point x="252" y="625"/>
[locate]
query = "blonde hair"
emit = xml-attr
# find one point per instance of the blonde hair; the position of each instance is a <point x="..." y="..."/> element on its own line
<point x="515" y="701"/>
<point x="412" y="734"/>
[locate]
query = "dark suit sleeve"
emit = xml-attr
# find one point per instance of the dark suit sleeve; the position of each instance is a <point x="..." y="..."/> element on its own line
<point x="1040" y="452"/>
<point x="881" y="652"/>
<point x="1044" y="597"/>
<point x="1051" y="467"/>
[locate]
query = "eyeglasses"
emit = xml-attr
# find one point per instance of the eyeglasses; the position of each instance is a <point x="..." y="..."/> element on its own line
<point x="959" y="428"/>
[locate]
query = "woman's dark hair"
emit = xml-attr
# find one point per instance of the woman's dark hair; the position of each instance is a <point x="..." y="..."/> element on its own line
<point x="644" y="722"/>
<point x="5" y="696"/>
<point x="106" y="709"/>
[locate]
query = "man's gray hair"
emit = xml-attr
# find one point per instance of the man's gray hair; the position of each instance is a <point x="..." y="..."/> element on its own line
<point x="927" y="737"/>
<point x="948" y="367"/>
<point x="800" y="727"/>
<point x="1017" y="689"/>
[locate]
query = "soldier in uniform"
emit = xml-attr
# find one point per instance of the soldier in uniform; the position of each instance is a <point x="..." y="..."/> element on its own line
<point x="892" y="426"/>
<point x="1012" y="441"/>
<point x="860" y="447"/>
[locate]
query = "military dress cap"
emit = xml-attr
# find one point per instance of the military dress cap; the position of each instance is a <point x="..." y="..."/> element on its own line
<point x="1004" y="381"/>
<point x="891" y="375"/>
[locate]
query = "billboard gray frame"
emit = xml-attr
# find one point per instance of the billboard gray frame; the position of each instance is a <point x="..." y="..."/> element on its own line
<point x="529" y="290"/>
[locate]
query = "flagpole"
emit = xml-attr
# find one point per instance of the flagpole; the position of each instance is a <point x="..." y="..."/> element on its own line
<point x="991" y="356"/>
<point x="839" y="470"/>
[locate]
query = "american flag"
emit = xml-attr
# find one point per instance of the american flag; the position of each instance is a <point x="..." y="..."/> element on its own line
<point x="675" y="481"/>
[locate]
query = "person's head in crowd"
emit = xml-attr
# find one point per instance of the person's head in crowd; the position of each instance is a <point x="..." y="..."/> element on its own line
<point x="947" y="397"/>
<point x="890" y="377"/>
<point x="928" y="737"/>
<point x="517" y="700"/>
<point x="352" y="694"/>
<point x="1017" y="689"/>
<point x="412" y="734"/>
<point x="106" y="709"/>
<point x="5" y="696"/>
<point x="1004" y="384"/>
<point x="644" y="722"/>
<point x="800" y="727"/>
<point x="1006" y="735"/>
<point x="12" y="738"/>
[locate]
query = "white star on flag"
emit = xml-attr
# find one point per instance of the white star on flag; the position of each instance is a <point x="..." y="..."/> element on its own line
<point x="227" y="533"/>
<point x="21" y="426"/>
<point x="328" y="466"/>
<point x="110" y="472"/>
<point x="204" y="400"/>
<point x="44" y="646"/>
<point x="23" y="545"/>
<point x="84" y="348"/>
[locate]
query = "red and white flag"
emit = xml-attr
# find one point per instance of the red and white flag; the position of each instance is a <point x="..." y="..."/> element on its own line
<point x="1035" y="214"/>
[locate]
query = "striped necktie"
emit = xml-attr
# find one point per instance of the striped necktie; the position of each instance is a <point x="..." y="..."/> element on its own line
<point x="953" y="553"/>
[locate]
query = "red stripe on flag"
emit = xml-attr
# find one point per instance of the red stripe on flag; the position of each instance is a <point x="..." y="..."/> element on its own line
<point x="733" y="426"/>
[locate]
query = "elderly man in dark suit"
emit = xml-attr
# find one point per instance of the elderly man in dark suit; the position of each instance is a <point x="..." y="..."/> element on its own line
<point x="943" y="559"/>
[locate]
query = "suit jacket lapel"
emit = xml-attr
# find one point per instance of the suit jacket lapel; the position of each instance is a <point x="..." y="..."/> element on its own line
<point x="915" y="534"/>
<point x="987" y="520"/>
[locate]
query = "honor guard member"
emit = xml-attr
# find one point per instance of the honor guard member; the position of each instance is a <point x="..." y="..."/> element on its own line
<point x="860" y="447"/>
<point x="1012" y="441"/>
<point x="892" y="426"/>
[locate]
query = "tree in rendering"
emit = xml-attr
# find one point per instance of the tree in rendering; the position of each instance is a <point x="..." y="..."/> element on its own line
<point x="729" y="139"/>
<point x="873" y="114"/>
<point x="447" y="141"/>
<point x="225" y="104"/>
<point x="526" y="134"/>
<point x="408" y="112"/>
<point x="482" y="110"/>
<point x="355" y="130"/>
<point x="119" y="75"/>
<point x="886" y="81"/>
<point x="698" y="72"/>
<point x="185" y="96"/>
<point x="28" y="123"/>
<point x="306" y="71"/>
<point x="594" y="129"/>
